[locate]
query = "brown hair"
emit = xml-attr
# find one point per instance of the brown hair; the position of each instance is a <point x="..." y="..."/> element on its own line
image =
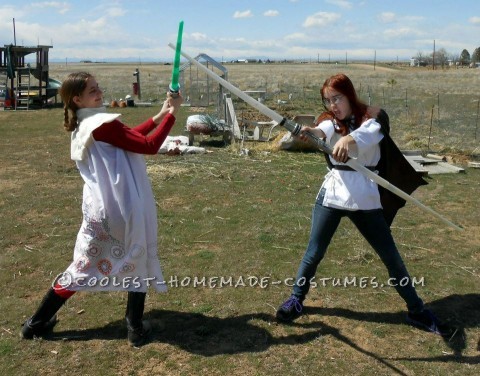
<point x="73" y="86"/>
<point x="341" y="83"/>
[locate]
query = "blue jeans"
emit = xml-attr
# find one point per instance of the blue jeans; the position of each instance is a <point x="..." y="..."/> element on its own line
<point x="373" y="227"/>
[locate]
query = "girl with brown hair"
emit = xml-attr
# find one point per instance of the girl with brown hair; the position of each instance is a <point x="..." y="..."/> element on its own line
<point x="116" y="246"/>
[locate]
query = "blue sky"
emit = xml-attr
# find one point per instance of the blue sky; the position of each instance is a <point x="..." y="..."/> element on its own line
<point x="276" y="29"/>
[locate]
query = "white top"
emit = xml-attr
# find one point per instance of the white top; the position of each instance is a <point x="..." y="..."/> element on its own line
<point x="351" y="190"/>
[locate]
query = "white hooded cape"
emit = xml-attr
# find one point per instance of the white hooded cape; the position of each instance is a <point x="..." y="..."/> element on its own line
<point x="116" y="247"/>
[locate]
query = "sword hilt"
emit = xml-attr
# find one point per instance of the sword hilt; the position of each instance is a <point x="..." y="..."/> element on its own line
<point x="174" y="92"/>
<point x="295" y="129"/>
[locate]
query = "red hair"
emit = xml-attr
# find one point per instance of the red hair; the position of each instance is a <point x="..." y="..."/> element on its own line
<point x="341" y="83"/>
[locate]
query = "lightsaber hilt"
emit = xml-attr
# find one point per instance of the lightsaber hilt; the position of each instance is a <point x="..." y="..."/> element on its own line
<point x="295" y="130"/>
<point x="174" y="92"/>
<point x="292" y="127"/>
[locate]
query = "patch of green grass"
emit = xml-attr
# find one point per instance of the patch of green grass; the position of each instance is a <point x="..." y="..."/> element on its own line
<point x="6" y="348"/>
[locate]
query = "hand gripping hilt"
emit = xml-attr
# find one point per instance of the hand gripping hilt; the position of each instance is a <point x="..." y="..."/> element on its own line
<point x="295" y="129"/>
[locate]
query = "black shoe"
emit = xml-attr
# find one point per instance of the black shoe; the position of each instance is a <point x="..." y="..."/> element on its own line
<point x="138" y="336"/>
<point x="45" y="318"/>
<point x="39" y="329"/>
<point x="426" y="320"/>
<point x="138" y="330"/>
<point x="290" y="309"/>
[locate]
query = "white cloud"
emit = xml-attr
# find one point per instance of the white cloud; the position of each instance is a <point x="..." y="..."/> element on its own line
<point x="62" y="7"/>
<point x="271" y="13"/>
<point x="244" y="14"/>
<point x="386" y="17"/>
<point x="115" y="12"/>
<point x="474" y="20"/>
<point x="401" y="32"/>
<point x="321" y="19"/>
<point x="295" y="36"/>
<point x="413" y="18"/>
<point x="198" y="37"/>
<point x="82" y="34"/>
<point x="340" y="3"/>
<point x="7" y="13"/>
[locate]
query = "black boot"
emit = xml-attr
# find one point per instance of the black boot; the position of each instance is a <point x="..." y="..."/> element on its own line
<point x="43" y="321"/>
<point x="138" y="330"/>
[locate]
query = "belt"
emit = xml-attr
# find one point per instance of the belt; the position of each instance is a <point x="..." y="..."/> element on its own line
<point x="348" y="168"/>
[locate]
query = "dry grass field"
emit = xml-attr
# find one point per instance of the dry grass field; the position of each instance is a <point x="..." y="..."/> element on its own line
<point x="429" y="110"/>
<point x="245" y="219"/>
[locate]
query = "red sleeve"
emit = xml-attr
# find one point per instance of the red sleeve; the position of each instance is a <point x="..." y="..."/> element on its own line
<point x="118" y="134"/>
<point x="146" y="127"/>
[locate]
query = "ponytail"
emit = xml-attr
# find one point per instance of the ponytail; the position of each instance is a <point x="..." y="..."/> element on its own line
<point x="70" y="121"/>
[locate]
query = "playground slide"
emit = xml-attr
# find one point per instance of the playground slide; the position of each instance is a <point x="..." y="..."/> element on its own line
<point x="52" y="84"/>
<point x="52" y="87"/>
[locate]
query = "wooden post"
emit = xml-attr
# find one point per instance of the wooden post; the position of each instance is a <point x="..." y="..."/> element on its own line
<point x="476" y="121"/>
<point x="438" y="109"/>
<point x="430" y="133"/>
<point x="433" y="56"/>
<point x="406" y="102"/>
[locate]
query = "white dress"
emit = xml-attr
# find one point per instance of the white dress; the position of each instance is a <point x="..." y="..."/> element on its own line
<point x="116" y="247"/>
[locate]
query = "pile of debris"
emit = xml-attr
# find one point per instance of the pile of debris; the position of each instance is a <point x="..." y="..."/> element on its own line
<point x="431" y="163"/>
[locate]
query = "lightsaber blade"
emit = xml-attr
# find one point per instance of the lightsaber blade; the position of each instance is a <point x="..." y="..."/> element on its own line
<point x="322" y="145"/>
<point x="174" y="86"/>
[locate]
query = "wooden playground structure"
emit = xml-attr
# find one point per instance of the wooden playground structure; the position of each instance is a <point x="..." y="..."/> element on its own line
<point x="25" y="85"/>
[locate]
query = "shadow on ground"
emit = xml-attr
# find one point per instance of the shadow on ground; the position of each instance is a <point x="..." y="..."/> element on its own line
<point x="209" y="336"/>
<point x="457" y="312"/>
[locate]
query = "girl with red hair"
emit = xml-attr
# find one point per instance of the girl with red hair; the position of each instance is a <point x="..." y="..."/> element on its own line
<point x="352" y="130"/>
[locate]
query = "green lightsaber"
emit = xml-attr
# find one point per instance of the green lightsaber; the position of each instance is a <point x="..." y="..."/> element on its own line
<point x="174" y="85"/>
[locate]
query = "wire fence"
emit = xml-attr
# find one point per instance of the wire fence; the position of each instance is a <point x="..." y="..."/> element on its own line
<point x="427" y="121"/>
<point x="430" y="111"/>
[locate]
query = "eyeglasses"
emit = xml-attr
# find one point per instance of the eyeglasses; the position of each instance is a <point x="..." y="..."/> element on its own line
<point x="337" y="99"/>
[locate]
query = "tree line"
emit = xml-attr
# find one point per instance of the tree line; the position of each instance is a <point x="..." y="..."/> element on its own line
<point x="442" y="58"/>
